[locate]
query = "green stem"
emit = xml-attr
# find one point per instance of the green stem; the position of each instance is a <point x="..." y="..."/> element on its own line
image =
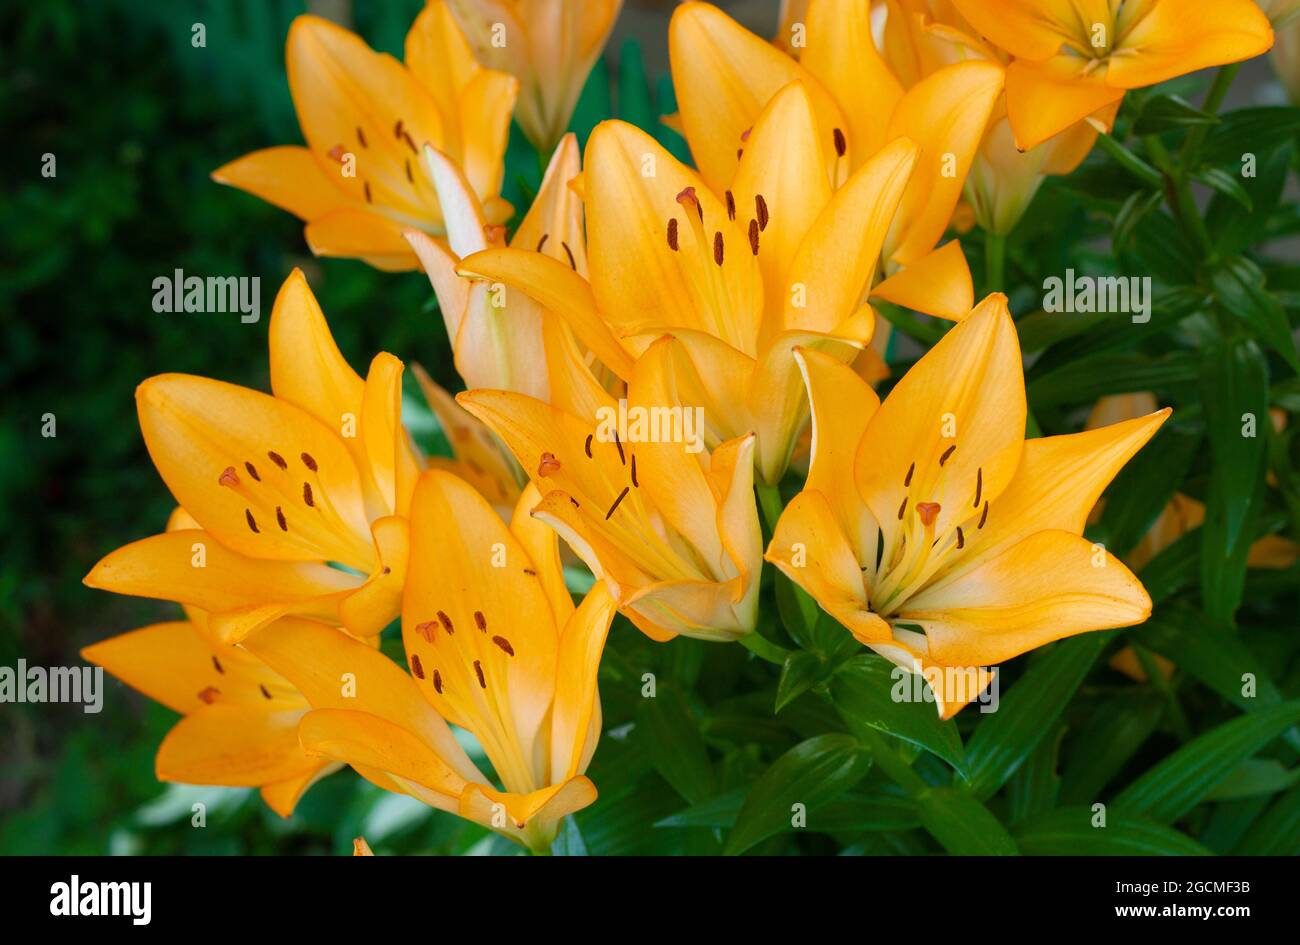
<point x="1178" y="193"/>
<point x="995" y="260"/>
<point x="769" y="501"/>
<point x="1213" y="99"/>
<point x="1128" y="160"/>
<point x="764" y="648"/>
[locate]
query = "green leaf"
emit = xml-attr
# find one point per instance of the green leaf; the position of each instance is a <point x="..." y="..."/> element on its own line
<point x="962" y="825"/>
<point x="672" y="738"/>
<point x="1255" y="777"/>
<point x="1108" y="738"/>
<point x="719" y="812"/>
<point x="568" y="842"/>
<point x="1179" y="782"/>
<point x="1131" y="212"/>
<point x="1239" y="286"/>
<point x="1034" y="787"/>
<point x="1233" y="228"/>
<point x="812" y="773"/>
<point x="1249" y="131"/>
<point x="1163" y="113"/>
<point x="1234" y="384"/>
<point x="1144" y="487"/>
<point x="798" y="611"/>
<point x="1085" y="380"/>
<point x="1224" y="183"/>
<point x="1173" y="569"/>
<point x="1004" y="739"/>
<point x="802" y="671"/>
<point x="863" y="691"/>
<point x="1068" y="831"/>
<point x="1277" y="832"/>
<point x="634" y="102"/>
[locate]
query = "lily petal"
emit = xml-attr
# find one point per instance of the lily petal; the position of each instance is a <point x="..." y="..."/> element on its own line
<point x="233" y="745"/>
<point x="1044" y="99"/>
<point x="937" y="284"/>
<point x="1181" y="36"/>
<point x="289" y="177"/>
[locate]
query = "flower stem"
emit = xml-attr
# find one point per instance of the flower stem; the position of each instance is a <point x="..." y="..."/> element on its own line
<point x="764" y="648"/>
<point x="891" y="762"/>
<point x="1213" y="99"/>
<point x="769" y="501"/>
<point x="995" y="260"/>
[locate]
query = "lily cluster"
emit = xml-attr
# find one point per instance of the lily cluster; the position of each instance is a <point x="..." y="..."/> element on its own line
<point x="828" y="166"/>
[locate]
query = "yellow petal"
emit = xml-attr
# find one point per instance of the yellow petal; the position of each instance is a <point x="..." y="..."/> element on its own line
<point x="233" y="745"/>
<point x="191" y="567"/>
<point x="557" y="287"/>
<point x="538" y="810"/>
<point x="543" y="550"/>
<point x="336" y="671"/>
<point x="369" y="609"/>
<point x="170" y="663"/>
<point x="233" y="457"/>
<point x="967" y="392"/>
<point x="945" y="115"/>
<point x="709" y="283"/>
<point x="1029" y="29"/>
<point x="291" y="178"/>
<point x="389" y="455"/>
<point x="439" y="57"/>
<point x="1052" y="584"/>
<point x="1181" y="36"/>
<point x="724" y="75"/>
<point x="553" y="224"/>
<point x="937" y="284"/>
<point x="1044" y="99"/>
<point x="283" y="796"/>
<point x="837" y="260"/>
<point x="575" y="720"/>
<point x="355" y="737"/>
<point x="842" y="54"/>
<point x="359" y="232"/>
<point x="439" y="264"/>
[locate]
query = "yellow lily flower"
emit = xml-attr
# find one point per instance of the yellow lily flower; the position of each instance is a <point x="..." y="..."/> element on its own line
<point x="240" y="719"/>
<point x="494" y="645"/>
<point x="780" y="259"/>
<point x="935" y="532"/>
<point x="361" y="848"/>
<point x="921" y="37"/>
<point x="549" y="45"/>
<point x="359" y="181"/>
<point x="725" y="76"/>
<point x="283" y="488"/>
<point x="672" y="533"/>
<point x="1073" y="57"/>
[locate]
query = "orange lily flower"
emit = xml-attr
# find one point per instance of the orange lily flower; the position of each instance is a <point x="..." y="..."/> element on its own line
<point x="240" y="719"/>
<point x="935" y="532"/>
<point x="359" y="181"/>
<point x="494" y="645"/>
<point x="282" y="487"/>
<point x="1073" y="58"/>
<point x="672" y="533"/>
<point x="779" y="260"/>
<point x="549" y="45"/>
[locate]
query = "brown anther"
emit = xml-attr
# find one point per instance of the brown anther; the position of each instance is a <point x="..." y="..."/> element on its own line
<point x="616" y="502"/>
<point x="478" y="670"/>
<point x="369" y="199"/>
<point x="979" y="487"/>
<point x="760" y="206"/>
<point x="731" y="206"/>
<point x="575" y="502"/>
<point x="619" y="443"/>
<point x="337" y="152"/>
<point x="902" y="508"/>
<point x="504" y="644"/>
<point x="753" y="236"/>
<point x="587" y="445"/>
<point x="279" y="517"/>
<point x="494" y="233"/>
<point x="740" y="153"/>
<point x="425" y="630"/>
<point x="406" y="136"/>
<point x="530" y="572"/>
<point x="252" y="522"/>
<point x="928" y="511"/>
<point x="744" y="135"/>
<point x="446" y="622"/>
<point x="841" y="145"/>
<point x="228" y="477"/>
<point x="542" y="242"/>
<point x="265" y="692"/>
<point x="209" y="695"/>
<point x="437" y="682"/>
<point x="961" y="539"/>
<point x="946" y="453"/>
<point x="416" y="669"/>
<point x="573" y="263"/>
<point x="361" y="136"/>
<point x="309" y="461"/>
<point x="672" y="234"/>
<point x="717" y="248"/>
<point x="548" y="465"/>
<point x="907" y="480"/>
<point x="984" y="516"/>
<point x="216" y="664"/>
<point x="688" y="200"/>
<point x="480" y="621"/>
<point x="409" y="176"/>
<point x="276" y="458"/>
<point x="397" y="129"/>
<point x="252" y="471"/>
<point x="634" y="482"/>
<point x="306" y="495"/>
